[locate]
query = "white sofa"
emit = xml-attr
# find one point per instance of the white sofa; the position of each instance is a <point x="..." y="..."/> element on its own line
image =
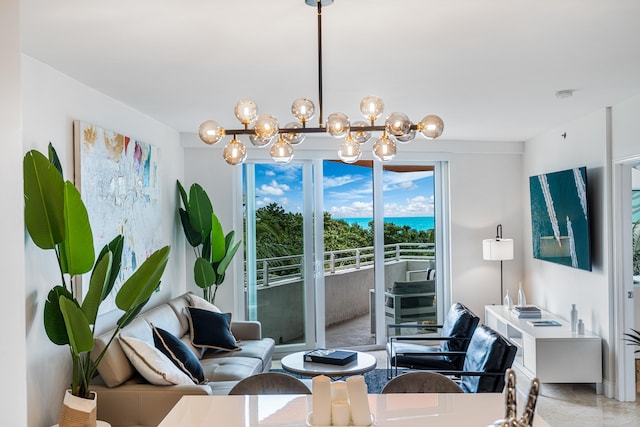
<point x="125" y="398"/>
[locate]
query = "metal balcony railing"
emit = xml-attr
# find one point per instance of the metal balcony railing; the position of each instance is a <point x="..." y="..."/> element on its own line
<point x="289" y="268"/>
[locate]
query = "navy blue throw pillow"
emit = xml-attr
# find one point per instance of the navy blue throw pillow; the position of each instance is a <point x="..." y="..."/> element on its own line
<point x="211" y="330"/>
<point x="178" y="353"/>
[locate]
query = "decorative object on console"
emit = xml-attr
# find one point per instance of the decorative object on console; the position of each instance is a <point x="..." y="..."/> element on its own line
<point x="527" y="312"/>
<point x="397" y="126"/>
<point x="498" y="249"/>
<point x="507" y="301"/>
<point x="56" y="218"/>
<point x="511" y="402"/>
<point x="560" y="218"/>
<point x="580" y="327"/>
<point x="214" y="251"/>
<point x="522" y="299"/>
<point x="574" y="318"/>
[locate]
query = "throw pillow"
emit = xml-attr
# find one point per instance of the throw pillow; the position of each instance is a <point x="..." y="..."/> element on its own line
<point x="178" y="353"/>
<point x="154" y="366"/>
<point x="197" y="302"/>
<point x="211" y="330"/>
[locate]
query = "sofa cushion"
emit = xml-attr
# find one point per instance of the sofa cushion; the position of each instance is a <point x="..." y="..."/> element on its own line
<point x="230" y="368"/>
<point x="154" y="366"/>
<point x="178" y="353"/>
<point x="259" y="349"/>
<point x="211" y="330"/>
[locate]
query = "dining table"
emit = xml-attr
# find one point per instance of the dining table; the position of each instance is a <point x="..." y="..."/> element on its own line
<point x="392" y="410"/>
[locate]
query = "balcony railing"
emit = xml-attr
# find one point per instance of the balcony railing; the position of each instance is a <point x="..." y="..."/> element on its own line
<point x="289" y="268"/>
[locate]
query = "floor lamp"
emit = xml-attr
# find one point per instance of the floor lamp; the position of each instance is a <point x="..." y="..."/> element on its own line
<point x="498" y="249"/>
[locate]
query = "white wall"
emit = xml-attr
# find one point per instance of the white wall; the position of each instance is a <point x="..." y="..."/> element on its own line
<point x="486" y="190"/>
<point x="626" y="140"/>
<point x="13" y="395"/>
<point x="51" y="102"/>
<point x="552" y="286"/>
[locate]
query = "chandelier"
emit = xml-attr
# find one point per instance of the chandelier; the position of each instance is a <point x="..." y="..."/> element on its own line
<point x="264" y="128"/>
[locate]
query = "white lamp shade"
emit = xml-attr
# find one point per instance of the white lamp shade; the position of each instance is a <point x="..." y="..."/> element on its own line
<point x="497" y="249"/>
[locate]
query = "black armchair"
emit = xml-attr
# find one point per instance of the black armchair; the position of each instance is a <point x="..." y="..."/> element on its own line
<point x="414" y="352"/>
<point x="488" y="357"/>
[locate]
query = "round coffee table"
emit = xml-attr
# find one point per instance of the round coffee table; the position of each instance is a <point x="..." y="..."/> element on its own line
<point x="295" y="363"/>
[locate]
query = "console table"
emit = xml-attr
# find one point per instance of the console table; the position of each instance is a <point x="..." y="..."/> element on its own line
<point x="553" y="354"/>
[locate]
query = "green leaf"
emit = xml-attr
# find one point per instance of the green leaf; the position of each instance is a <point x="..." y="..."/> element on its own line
<point x="78" y="238"/>
<point x="115" y="248"/>
<point x="55" y="160"/>
<point x="99" y="279"/>
<point x="78" y="328"/>
<point x="139" y="287"/>
<point x="54" y="324"/>
<point x="206" y="248"/>
<point x="199" y="209"/>
<point x="203" y="273"/>
<point x="183" y="195"/>
<point x="130" y="315"/>
<point x="43" y="200"/>
<point x="193" y="236"/>
<point x="217" y="239"/>
<point x="224" y="263"/>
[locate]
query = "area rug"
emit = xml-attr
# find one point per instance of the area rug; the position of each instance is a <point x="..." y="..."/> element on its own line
<point x="375" y="379"/>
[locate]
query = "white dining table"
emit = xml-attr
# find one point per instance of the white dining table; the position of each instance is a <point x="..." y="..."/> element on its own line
<point x="393" y="410"/>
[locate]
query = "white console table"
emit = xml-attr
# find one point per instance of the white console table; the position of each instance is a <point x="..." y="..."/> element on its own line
<point x="553" y="354"/>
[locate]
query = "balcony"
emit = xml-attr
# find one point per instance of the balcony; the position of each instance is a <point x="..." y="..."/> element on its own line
<point x="348" y="277"/>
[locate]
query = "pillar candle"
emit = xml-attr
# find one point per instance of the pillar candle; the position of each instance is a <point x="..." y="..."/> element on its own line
<point x="321" y="400"/>
<point x="340" y="413"/>
<point x="358" y="399"/>
<point x="339" y="390"/>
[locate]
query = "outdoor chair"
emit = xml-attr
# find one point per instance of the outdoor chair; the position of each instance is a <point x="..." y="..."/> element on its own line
<point x="421" y="382"/>
<point x="270" y="383"/>
<point x="421" y="351"/>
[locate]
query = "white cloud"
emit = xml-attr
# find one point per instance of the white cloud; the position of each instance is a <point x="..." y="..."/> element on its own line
<point x="404" y="181"/>
<point x="415" y="206"/>
<point x="338" y="181"/>
<point x="273" y="189"/>
<point x="354" y="210"/>
<point x="270" y="173"/>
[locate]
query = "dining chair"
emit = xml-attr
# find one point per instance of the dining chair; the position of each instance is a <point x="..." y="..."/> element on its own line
<point x="270" y="383"/>
<point x="421" y="382"/>
<point x="421" y="351"/>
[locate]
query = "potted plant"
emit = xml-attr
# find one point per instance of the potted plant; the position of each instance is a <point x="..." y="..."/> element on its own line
<point x="213" y="250"/>
<point x="56" y="219"/>
<point x="633" y="338"/>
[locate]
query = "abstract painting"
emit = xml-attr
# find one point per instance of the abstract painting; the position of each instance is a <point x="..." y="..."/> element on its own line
<point x="119" y="180"/>
<point x="560" y="218"/>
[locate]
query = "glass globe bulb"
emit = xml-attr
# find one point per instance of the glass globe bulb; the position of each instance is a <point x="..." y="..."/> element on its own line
<point x="349" y="151"/>
<point x="266" y="126"/>
<point x="303" y="109"/>
<point x="371" y="107"/>
<point x="398" y="124"/>
<point x="293" y="138"/>
<point x="281" y="151"/>
<point x="384" y="149"/>
<point x="246" y="111"/>
<point x="431" y="126"/>
<point x="260" y="142"/>
<point x="403" y="139"/>
<point x="210" y="132"/>
<point x="361" y="136"/>
<point x="337" y="125"/>
<point x="234" y="152"/>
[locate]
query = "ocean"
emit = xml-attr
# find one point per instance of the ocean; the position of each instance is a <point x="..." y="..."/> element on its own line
<point x="416" y="222"/>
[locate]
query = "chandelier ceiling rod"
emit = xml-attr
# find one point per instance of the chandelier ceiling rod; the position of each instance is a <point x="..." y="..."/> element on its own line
<point x="397" y="126"/>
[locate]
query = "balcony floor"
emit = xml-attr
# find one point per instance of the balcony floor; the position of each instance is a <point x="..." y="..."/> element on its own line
<point x="351" y="333"/>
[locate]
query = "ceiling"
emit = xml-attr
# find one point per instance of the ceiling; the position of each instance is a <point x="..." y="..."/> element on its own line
<point x="489" y="68"/>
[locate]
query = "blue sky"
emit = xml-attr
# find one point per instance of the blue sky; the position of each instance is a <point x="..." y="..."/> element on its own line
<point x="348" y="190"/>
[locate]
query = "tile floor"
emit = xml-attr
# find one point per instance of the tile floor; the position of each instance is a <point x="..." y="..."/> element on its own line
<point x="560" y="405"/>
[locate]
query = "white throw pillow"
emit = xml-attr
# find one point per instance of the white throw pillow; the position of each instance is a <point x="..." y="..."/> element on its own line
<point x="197" y="302"/>
<point x="154" y="366"/>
